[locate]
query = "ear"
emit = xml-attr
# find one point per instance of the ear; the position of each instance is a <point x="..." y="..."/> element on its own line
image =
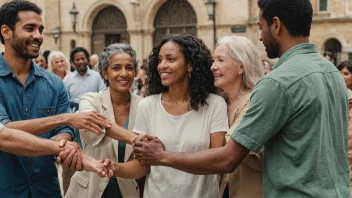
<point x="190" y="68"/>
<point x="105" y="73"/>
<point x="240" y="70"/>
<point x="277" y="25"/>
<point x="6" y="32"/>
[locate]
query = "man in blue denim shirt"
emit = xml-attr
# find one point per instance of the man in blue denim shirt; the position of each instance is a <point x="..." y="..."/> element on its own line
<point x="32" y="100"/>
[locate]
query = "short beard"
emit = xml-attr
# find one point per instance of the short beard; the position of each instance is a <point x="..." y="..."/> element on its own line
<point x="272" y="51"/>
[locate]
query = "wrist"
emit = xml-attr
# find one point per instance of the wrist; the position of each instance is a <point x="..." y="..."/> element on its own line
<point x="164" y="159"/>
<point x="132" y="138"/>
<point x="65" y="119"/>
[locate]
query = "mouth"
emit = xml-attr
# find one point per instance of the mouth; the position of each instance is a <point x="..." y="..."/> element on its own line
<point x="216" y="76"/>
<point x="36" y="46"/>
<point x="165" y="75"/>
<point x="123" y="82"/>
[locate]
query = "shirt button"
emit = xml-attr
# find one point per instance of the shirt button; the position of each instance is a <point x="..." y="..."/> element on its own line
<point x="13" y="75"/>
<point x="26" y="110"/>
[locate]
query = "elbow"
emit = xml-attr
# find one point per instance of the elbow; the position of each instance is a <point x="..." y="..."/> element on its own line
<point x="230" y="165"/>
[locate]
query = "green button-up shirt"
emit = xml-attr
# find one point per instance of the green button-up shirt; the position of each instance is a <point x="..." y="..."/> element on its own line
<point x="299" y="112"/>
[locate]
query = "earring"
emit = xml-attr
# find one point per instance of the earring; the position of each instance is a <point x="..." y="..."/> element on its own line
<point x="189" y="74"/>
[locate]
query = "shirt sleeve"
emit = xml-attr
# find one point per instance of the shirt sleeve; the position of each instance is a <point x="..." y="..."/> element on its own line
<point x="63" y="107"/>
<point x="4" y="117"/>
<point x="219" y="119"/>
<point x="89" y="103"/>
<point x="141" y="122"/>
<point x="267" y="113"/>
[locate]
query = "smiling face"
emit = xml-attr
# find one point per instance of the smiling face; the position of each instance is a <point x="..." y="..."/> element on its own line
<point x="225" y="69"/>
<point x="40" y="60"/>
<point x="59" y="64"/>
<point x="27" y="37"/>
<point x="80" y="62"/>
<point x="120" y="72"/>
<point x="172" y="65"/>
<point x="266" y="36"/>
<point x="347" y="77"/>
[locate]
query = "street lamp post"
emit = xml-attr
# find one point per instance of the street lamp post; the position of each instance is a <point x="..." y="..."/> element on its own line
<point x="211" y="5"/>
<point x="74" y="12"/>
<point x="56" y="33"/>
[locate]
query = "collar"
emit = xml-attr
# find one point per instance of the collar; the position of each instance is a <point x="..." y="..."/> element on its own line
<point x="106" y="98"/>
<point x="305" y="48"/>
<point x="88" y="73"/>
<point x="6" y="70"/>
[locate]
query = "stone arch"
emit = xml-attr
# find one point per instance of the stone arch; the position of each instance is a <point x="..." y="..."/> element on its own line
<point x="197" y="5"/>
<point x="171" y="20"/>
<point x="331" y="39"/>
<point x="97" y="7"/>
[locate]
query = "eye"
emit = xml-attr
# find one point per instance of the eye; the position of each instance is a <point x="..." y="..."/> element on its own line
<point x="130" y="68"/>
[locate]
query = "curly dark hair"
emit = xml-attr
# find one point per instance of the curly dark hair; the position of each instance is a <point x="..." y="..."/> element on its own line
<point x="345" y="64"/>
<point x="198" y="55"/>
<point x="77" y="50"/>
<point x="9" y="13"/>
<point x="295" y="14"/>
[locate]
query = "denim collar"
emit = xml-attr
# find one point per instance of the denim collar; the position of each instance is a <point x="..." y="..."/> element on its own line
<point x="5" y="69"/>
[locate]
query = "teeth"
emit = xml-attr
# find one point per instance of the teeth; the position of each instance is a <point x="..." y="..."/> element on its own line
<point x="164" y="74"/>
<point x="34" y="45"/>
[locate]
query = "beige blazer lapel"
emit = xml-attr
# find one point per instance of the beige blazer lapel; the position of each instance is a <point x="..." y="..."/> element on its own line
<point x="133" y="108"/>
<point x="109" y="113"/>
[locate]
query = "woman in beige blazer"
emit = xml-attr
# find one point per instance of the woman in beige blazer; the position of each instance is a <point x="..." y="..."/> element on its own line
<point x="237" y="67"/>
<point x="117" y="65"/>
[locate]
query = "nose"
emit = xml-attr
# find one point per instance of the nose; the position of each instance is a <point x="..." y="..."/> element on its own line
<point x="162" y="64"/>
<point x="123" y="72"/>
<point x="38" y="35"/>
<point x="214" y="66"/>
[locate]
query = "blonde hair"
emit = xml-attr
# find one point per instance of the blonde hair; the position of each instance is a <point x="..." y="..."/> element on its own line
<point x="54" y="54"/>
<point x="244" y="52"/>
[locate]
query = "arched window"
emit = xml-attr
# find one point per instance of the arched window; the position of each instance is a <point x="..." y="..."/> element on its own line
<point x="109" y="27"/>
<point x="174" y="17"/>
<point x="334" y="46"/>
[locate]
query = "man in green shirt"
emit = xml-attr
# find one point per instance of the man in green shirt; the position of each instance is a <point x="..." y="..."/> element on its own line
<point x="305" y="136"/>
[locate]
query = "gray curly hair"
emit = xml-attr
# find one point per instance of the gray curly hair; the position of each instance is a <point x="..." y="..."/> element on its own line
<point x="111" y="50"/>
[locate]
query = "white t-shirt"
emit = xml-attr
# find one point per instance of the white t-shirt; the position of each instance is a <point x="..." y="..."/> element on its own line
<point x="186" y="133"/>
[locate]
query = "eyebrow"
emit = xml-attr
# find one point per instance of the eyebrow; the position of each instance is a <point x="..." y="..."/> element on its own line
<point x="33" y="25"/>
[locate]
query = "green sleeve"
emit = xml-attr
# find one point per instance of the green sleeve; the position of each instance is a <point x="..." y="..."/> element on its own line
<point x="267" y="113"/>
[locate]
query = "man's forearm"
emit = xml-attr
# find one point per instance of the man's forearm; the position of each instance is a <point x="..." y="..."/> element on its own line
<point x="62" y="136"/>
<point x="40" y="125"/>
<point x="213" y="161"/>
<point x="21" y="143"/>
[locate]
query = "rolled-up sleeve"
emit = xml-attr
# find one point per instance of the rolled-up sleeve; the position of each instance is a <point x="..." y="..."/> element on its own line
<point x="63" y="107"/>
<point x="267" y="113"/>
<point x="4" y="118"/>
<point x="89" y="102"/>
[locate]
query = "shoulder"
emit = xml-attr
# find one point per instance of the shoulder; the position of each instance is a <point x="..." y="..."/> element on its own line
<point x="214" y="99"/>
<point x="50" y="77"/>
<point x="149" y="100"/>
<point x="93" y="96"/>
<point x="69" y="76"/>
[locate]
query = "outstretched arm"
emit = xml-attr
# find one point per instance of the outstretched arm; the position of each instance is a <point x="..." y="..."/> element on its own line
<point x="87" y="120"/>
<point x="131" y="170"/>
<point x="21" y="143"/>
<point x="213" y="161"/>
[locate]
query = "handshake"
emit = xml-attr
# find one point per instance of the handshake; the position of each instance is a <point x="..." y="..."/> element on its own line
<point x="147" y="149"/>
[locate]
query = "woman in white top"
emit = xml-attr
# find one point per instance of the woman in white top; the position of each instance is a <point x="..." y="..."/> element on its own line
<point x="185" y="114"/>
<point x="58" y="64"/>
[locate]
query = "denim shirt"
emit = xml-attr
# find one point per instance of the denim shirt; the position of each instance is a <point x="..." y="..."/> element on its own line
<point x="43" y="95"/>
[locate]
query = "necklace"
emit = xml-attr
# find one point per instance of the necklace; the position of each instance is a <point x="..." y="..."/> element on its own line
<point x="122" y="109"/>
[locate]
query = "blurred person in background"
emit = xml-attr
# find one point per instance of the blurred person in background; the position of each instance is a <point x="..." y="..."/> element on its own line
<point x="330" y="57"/>
<point x="40" y="60"/>
<point x="94" y="59"/>
<point x="267" y="67"/>
<point x="58" y="64"/>
<point x="237" y="68"/>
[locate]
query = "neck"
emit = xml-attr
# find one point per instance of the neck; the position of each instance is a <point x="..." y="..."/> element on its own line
<point x="18" y="64"/>
<point x="290" y="42"/>
<point x="233" y="90"/>
<point x="61" y="74"/>
<point x="118" y="98"/>
<point x="179" y="93"/>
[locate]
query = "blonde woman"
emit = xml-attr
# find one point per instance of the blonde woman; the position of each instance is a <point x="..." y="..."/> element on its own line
<point x="58" y="64"/>
<point x="237" y="67"/>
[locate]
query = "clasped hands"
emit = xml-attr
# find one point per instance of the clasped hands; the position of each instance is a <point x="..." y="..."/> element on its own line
<point x="73" y="158"/>
<point x="149" y="150"/>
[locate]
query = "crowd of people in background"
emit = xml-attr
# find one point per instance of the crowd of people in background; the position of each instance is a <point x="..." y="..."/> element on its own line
<point x="167" y="126"/>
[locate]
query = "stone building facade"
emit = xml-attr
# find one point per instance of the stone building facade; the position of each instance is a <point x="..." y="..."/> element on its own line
<point x="142" y="23"/>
